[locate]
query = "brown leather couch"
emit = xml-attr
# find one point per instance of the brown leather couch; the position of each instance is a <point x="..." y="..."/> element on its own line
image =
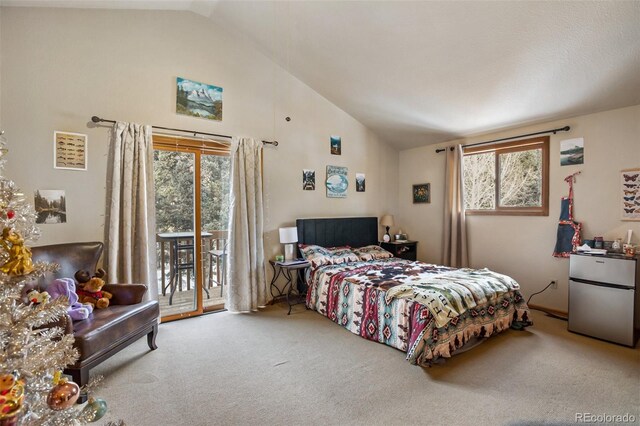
<point x="108" y="330"/>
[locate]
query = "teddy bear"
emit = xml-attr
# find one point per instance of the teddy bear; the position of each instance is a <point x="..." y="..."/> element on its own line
<point x="91" y="289"/>
<point x="67" y="287"/>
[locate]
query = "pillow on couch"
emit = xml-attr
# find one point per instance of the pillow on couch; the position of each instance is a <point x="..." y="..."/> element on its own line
<point x="318" y="256"/>
<point x="372" y="252"/>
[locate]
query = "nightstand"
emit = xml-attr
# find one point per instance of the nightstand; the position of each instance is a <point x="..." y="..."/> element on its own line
<point x="402" y="249"/>
<point x="285" y="269"/>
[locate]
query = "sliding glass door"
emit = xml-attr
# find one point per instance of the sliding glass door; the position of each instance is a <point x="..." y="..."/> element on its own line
<point x="192" y="187"/>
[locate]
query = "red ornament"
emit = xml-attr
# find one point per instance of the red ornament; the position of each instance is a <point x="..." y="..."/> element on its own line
<point x="10" y="214"/>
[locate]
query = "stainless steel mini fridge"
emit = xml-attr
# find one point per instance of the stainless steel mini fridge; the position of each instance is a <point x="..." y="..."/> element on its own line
<point x="604" y="297"/>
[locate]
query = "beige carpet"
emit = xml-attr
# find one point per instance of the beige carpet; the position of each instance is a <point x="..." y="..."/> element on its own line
<point x="272" y="369"/>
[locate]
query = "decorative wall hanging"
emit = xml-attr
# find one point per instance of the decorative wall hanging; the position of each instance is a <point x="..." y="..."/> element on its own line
<point x="308" y="180"/>
<point x="50" y="206"/>
<point x="422" y="193"/>
<point x="336" y="145"/>
<point x="630" y="194"/>
<point x="572" y="152"/>
<point x="360" y="182"/>
<point x="568" y="235"/>
<point x="69" y="151"/>
<point x="337" y="182"/>
<point x="198" y="99"/>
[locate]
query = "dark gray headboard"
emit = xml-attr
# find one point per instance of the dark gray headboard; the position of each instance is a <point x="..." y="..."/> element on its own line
<point x="331" y="232"/>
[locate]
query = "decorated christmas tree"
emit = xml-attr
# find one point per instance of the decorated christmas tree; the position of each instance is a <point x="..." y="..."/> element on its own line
<point x="32" y="352"/>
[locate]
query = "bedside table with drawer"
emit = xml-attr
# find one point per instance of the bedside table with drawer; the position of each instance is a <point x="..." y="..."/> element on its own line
<point x="402" y="249"/>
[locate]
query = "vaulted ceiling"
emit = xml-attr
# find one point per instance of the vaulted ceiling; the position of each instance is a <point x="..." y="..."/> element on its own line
<point x="418" y="73"/>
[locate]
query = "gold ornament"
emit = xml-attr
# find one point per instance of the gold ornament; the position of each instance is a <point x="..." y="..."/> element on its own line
<point x="57" y="376"/>
<point x="11" y="396"/>
<point x="19" y="262"/>
<point x="63" y="395"/>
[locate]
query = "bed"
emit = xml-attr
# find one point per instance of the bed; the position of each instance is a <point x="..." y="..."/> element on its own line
<point x="427" y="311"/>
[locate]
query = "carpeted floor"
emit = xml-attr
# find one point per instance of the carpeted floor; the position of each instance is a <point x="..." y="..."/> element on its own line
<point x="272" y="369"/>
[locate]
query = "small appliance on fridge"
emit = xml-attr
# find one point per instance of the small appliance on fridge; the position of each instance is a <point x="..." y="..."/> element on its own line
<point x="604" y="297"/>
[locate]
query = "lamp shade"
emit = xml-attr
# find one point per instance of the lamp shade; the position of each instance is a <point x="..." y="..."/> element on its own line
<point x="289" y="235"/>
<point x="387" y="220"/>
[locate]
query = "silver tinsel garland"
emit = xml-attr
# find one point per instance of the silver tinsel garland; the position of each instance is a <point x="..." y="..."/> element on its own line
<point x="29" y="349"/>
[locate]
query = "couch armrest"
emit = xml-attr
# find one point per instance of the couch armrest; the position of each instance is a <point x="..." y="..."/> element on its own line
<point x="126" y="294"/>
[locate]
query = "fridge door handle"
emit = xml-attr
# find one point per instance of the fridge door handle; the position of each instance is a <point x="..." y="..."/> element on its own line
<point x="599" y="284"/>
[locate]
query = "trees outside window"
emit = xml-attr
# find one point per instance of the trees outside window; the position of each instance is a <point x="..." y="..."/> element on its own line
<point x="174" y="183"/>
<point x="508" y="179"/>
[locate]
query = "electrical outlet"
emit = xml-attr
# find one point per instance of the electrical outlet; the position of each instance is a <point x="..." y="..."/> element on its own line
<point x="554" y="285"/>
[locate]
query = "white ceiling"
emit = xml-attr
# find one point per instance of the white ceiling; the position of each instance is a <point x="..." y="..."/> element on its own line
<point x="418" y="73"/>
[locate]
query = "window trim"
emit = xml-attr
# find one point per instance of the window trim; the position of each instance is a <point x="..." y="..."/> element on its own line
<point x="515" y="146"/>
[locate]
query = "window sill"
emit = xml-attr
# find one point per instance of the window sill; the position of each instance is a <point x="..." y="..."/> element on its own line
<point x="519" y="212"/>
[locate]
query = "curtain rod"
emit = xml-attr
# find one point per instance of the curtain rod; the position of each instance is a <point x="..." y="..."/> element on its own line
<point x="97" y="119"/>
<point x="554" y="131"/>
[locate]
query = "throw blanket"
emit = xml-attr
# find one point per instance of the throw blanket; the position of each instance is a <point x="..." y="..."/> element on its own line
<point x="354" y="295"/>
<point x="452" y="293"/>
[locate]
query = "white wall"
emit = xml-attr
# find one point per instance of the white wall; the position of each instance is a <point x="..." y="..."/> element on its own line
<point x="522" y="246"/>
<point x="61" y="66"/>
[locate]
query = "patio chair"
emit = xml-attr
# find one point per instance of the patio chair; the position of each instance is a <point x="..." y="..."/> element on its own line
<point x="183" y="260"/>
<point x="217" y="255"/>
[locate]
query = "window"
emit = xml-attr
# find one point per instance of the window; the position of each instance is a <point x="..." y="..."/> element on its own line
<point x="508" y="179"/>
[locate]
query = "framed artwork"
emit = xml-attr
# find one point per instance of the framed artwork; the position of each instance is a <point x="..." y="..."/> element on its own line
<point x="422" y="193"/>
<point x="337" y="182"/>
<point x="308" y="180"/>
<point x="360" y="182"/>
<point x="50" y="206"/>
<point x="198" y="99"/>
<point x="336" y="145"/>
<point x="69" y="151"/>
<point x="572" y="152"/>
<point x="630" y="194"/>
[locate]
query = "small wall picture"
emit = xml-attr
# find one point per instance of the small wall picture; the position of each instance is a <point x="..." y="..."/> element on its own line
<point x="50" y="206"/>
<point x="336" y="145"/>
<point x="572" y="152"/>
<point x="199" y="99"/>
<point x="360" y="182"/>
<point x="69" y="151"/>
<point x="422" y="193"/>
<point x="308" y="180"/>
<point x="630" y="194"/>
<point x="337" y="182"/>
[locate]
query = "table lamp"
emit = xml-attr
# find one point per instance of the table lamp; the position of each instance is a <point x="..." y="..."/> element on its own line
<point x="288" y="236"/>
<point x="387" y="222"/>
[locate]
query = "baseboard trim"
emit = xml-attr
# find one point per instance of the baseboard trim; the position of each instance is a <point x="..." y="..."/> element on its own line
<point x="556" y="312"/>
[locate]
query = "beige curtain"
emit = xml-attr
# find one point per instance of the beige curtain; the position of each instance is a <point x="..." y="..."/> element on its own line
<point x="455" y="228"/>
<point x="247" y="288"/>
<point x="130" y="232"/>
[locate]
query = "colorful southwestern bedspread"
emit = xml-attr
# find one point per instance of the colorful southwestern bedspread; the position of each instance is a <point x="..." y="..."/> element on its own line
<point x="427" y="311"/>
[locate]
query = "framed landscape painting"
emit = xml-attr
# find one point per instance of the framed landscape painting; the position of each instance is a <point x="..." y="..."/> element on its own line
<point x="50" y="206"/>
<point x="360" y="182"/>
<point x="198" y="99"/>
<point x="336" y="145"/>
<point x="572" y="152"/>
